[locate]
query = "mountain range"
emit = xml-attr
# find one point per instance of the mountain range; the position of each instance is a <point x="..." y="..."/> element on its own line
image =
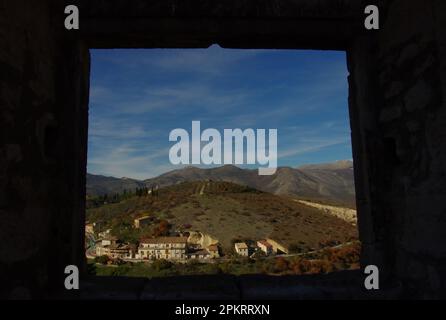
<point x="329" y="182"/>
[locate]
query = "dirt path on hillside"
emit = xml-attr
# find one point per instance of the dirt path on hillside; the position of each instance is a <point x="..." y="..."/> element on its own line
<point x="345" y="214"/>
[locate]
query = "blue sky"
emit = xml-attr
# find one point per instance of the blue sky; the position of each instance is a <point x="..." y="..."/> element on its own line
<point x="138" y="96"/>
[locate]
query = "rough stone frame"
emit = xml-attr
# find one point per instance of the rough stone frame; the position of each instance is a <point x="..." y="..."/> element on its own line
<point x="397" y="107"/>
<point x="308" y="24"/>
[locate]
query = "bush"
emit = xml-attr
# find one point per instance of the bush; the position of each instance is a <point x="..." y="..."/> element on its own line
<point x="161" y="264"/>
<point x="91" y="269"/>
<point x="212" y="269"/>
<point x="193" y="262"/>
<point x="300" y="266"/>
<point x="119" y="262"/>
<point x="281" y="265"/>
<point x="101" y="259"/>
<point x="121" y="270"/>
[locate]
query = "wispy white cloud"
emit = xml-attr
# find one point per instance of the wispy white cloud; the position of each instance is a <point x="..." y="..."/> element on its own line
<point x="310" y="146"/>
<point x="140" y="96"/>
<point x="126" y="160"/>
<point x="171" y="98"/>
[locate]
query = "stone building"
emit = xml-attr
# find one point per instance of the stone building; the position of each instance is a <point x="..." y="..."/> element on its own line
<point x="142" y="221"/>
<point x="213" y="251"/>
<point x="277" y="247"/>
<point x="199" y="254"/>
<point x="115" y="251"/>
<point x="265" y="246"/>
<point x="109" y="240"/>
<point x="171" y="248"/>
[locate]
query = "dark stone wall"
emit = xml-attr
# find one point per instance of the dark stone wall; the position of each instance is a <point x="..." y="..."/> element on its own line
<point x="413" y="127"/>
<point x="397" y="109"/>
<point x="43" y="123"/>
<point x="398" y="88"/>
<point x="315" y="24"/>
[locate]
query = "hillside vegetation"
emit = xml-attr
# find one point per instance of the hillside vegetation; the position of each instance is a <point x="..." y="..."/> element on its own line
<point x="321" y="262"/>
<point x="226" y="211"/>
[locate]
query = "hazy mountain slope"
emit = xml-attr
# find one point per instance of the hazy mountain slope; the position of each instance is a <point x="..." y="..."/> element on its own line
<point x="331" y="182"/>
<point x="334" y="181"/>
<point x="99" y="185"/>
<point x="227" y="173"/>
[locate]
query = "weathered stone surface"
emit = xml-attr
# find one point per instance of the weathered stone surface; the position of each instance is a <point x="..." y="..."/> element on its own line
<point x="43" y="121"/>
<point x="418" y="96"/>
<point x="413" y="126"/>
<point x="339" y="285"/>
<point x="408" y="53"/>
<point x="233" y="23"/>
<point x="390" y="113"/>
<point x="258" y="287"/>
<point x="393" y="89"/>
<point x="399" y="153"/>
<point x="111" y="288"/>
<point x="192" y="288"/>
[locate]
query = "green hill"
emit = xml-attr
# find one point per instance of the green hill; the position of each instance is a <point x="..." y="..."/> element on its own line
<point x="226" y="211"/>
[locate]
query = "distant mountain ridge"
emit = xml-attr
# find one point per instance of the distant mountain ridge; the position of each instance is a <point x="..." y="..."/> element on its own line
<point x="327" y="182"/>
<point x="99" y="185"/>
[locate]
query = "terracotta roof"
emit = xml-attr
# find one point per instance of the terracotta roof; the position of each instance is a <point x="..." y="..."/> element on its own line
<point x="213" y="247"/>
<point x="265" y="243"/>
<point x="165" y="240"/>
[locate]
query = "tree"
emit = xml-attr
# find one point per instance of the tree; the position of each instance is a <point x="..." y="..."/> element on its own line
<point x="162" y="229"/>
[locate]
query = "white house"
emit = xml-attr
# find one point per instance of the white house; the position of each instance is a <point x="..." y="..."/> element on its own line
<point x="241" y="248"/>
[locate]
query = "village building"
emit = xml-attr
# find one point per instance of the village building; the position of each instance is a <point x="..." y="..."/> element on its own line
<point x="142" y="221"/>
<point x="114" y="251"/>
<point x="265" y="246"/>
<point x="277" y="247"/>
<point x="213" y="251"/>
<point x="171" y="248"/>
<point x="241" y="248"/>
<point x="109" y="240"/>
<point x="199" y="254"/>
